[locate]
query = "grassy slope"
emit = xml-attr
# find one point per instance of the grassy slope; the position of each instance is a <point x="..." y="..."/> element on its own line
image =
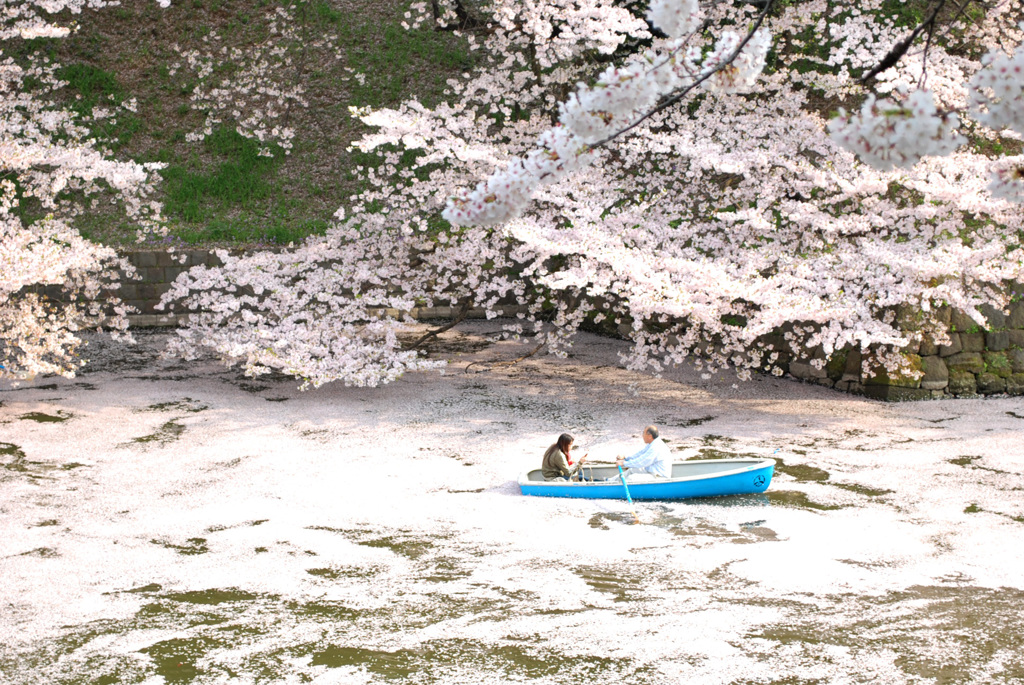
<point x="219" y="190"/>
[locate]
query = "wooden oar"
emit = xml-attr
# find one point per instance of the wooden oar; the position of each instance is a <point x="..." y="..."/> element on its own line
<point x="629" y="499"/>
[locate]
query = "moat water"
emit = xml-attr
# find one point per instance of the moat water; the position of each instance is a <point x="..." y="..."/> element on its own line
<point x="186" y="524"/>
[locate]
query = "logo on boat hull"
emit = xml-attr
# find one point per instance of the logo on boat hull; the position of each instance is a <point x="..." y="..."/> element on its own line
<point x="758" y="481"/>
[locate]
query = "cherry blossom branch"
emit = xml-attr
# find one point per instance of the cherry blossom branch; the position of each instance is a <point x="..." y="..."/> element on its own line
<point x="675" y="98"/>
<point x="899" y="49"/>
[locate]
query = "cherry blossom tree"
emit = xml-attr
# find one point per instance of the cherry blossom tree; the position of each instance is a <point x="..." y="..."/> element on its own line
<point x="674" y="172"/>
<point x="53" y="171"/>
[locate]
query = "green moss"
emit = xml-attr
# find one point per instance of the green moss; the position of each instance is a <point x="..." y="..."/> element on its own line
<point x="40" y="417"/>
<point x="801" y="472"/>
<point x="167" y="433"/>
<point x="10" y="449"/>
<point x="997" y="363"/>
<point x="192" y="546"/>
<point x="836" y="365"/>
<point x="176" y="659"/>
<point x="798" y="500"/>
<point x="910" y="378"/>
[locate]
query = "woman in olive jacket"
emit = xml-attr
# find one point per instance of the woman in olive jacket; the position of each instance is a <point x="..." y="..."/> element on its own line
<point x="557" y="464"/>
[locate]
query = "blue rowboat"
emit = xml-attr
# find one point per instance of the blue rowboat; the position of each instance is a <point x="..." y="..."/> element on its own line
<point x="698" y="478"/>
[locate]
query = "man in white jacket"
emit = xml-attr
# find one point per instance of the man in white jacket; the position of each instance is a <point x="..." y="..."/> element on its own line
<point x="653" y="459"/>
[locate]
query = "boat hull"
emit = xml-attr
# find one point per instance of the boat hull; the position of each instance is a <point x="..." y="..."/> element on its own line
<point x="700" y="478"/>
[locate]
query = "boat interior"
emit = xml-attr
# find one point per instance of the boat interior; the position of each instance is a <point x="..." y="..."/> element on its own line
<point x="696" y="468"/>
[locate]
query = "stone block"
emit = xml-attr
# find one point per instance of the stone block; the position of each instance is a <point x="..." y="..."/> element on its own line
<point x="851" y="371"/>
<point x="804" y="370"/>
<point x="1015" y="319"/>
<point x="961" y="322"/>
<point x="996" y="341"/>
<point x="970" y="362"/>
<point x="434" y="313"/>
<point x="908" y="318"/>
<point x="962" y="383"/>
<point x="1016" y="338"/>
<point x="910" y="379"/>
<point x="991" y="384"/>
<point x="164" y="258"/>
<point x="143" y="258"/>
<point x="172" y="272"/>
<point x="972" y="342"/>
<point x="942" y="315"/>
<point x="936" y="374"/>
<point x="152" y="274"/>
<point x="928" y="348"/>
<point x="997" y="363"/>
<point x="953" y="347"/>
<point x="996" y="317"/>
<point x="894" y="393"/>
<point x="1015" y="384"/>
<point x="801" y="370"/>
<point x="1016" y="358"/>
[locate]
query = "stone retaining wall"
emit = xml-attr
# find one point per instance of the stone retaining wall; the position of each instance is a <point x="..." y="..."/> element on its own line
<point x="976" y="362"/>
<point x="157" y="269"/>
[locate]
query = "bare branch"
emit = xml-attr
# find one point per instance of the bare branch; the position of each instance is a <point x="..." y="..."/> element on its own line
<point x="459" y="318"/>
<point x="511" y="362"/>
<point x="900" y="49"/>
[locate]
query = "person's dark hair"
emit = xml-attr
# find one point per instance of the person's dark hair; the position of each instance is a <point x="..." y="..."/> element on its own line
<point x="564" y="440"/>
<point x="652" y="431"/>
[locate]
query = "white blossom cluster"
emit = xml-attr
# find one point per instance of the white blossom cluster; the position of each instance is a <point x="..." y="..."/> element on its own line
<point x="271" y="312"/>
<point x="503" y="195"/>
<point x="736" y="75"/>
<point x="1008" y="180"/>
<point x="674" y="17"/>
<point x="733" y="219"/>
<point x="997" y="91"/>
<point x="51" y="159"/>
<point x="736" y="219"/>
<point x="618" y="100"/>
<point x="887" y="134"/>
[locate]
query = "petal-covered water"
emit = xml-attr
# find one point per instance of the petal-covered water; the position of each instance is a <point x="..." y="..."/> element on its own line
<point x="185" y="524"/>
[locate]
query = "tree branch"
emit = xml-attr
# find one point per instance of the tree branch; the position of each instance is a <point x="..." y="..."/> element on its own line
<point x="675" y="97"/>
<point x="512" y="362"/>
<point x="900" y="49"/>
<point x="459" y="318"/>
